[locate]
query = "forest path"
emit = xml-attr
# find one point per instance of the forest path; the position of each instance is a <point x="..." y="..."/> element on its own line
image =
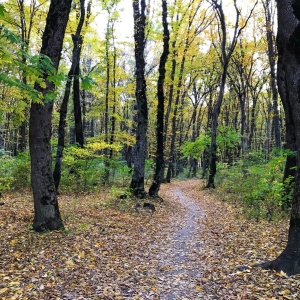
<point x="179" y="271"/>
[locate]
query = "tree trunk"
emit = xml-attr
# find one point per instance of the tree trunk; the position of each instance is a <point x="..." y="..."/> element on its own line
<point x="288" y="42"/>
<point x="226" y="53"/>
<point x="76" y="94"/>
<point x="64" y="104"/>
<point x="140" y="149"/>
<point x="214" y="127"/>
<point x="160" y="163"/>
<point x="272" y="60"/>
<point x="46" y="211"/>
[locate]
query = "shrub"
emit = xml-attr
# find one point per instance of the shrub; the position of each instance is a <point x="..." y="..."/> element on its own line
<point x="257" y="184"/>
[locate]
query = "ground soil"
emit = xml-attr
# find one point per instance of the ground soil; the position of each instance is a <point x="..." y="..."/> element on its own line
<point x="194" y="246"/>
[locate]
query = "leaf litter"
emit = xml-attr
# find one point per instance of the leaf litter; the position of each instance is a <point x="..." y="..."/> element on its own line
<point x="193" y="247"/>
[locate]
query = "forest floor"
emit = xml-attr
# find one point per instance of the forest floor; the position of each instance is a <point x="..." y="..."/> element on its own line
<point x="193" y="247"/>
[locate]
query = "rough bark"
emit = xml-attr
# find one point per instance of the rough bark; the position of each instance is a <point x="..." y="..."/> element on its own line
<point x="160" y="163"/>
<point x="140" y="148"/>
<point x="288" y="43"/>
<point x="46" y="210"/>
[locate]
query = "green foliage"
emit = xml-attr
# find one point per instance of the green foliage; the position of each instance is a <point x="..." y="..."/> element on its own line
<point x="87" y="83"/>
<point x="2" y="10"/>
<point x="195" y="149"/>
<point x="227" y="138"/>
<point x="257" y="184"/>
<point x="14" y="171"/>
<point x="36" y="68"/>
<point x="149" y="169"/>
<point x="83" y="169"/>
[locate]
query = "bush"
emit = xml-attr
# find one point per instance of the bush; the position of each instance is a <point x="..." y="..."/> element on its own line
<point x="14" y="171"/>
<point x="257" y="184"/>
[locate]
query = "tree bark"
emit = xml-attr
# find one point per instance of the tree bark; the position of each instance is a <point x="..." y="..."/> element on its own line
<point x="64" y="104"/>
<point x="160" y="163"/>
<point x="288" y="43"/>
<point x="140" y="148"/>
<point x="46" y="210"/>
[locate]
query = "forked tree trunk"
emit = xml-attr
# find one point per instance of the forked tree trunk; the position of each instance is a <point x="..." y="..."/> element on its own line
<point x="288" y="42"/>
<point x="46" y="211"/>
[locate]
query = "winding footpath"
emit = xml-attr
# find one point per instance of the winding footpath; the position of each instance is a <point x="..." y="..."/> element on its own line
<point x="179" y="271"/>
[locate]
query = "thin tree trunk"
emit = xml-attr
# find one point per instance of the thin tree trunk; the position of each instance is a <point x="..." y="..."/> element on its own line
<point x="272" y="61"/>
<point x="64" y="104"/>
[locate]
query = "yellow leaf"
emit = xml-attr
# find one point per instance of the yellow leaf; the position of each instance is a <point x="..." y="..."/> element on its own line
<point x="14" y="283"/>
<point x="198" y="288"/>
<point x="4" y="290"/>
<point x="12" y="242"/>
<point x="69" y="263"/>
<point x="285" y="292"/>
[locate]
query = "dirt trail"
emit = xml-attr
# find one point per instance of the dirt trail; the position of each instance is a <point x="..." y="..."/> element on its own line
<point x="179" y="271"/>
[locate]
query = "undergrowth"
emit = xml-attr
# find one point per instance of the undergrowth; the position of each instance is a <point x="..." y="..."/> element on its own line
<point x="257" y="183"/>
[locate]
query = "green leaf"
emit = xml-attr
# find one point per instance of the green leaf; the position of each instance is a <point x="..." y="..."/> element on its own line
<point x="87" y="83"/>
<point x="3" y="11"/>
<point x="50" y="96"/>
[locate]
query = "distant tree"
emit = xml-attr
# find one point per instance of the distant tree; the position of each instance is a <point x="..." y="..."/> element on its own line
<point x="46" y="210"/>
<point x="269" y="10"/>
<point x="227" y="46"/>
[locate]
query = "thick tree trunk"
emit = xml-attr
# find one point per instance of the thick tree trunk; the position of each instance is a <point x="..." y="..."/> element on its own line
<point x="46" y="211"/>
<point x="140" y="149"/>
<point x="160" y="163"/>
<point x="288" y="42"/>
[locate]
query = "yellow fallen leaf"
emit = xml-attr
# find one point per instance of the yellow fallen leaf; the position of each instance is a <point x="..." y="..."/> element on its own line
<point x="14" y="283"/>
<point x="12" y="242"/>
<point x="198" y="288"/>
<point x="284" y="292"/>
<point x="4" y="290"/>
<point x="69" y="263"/>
